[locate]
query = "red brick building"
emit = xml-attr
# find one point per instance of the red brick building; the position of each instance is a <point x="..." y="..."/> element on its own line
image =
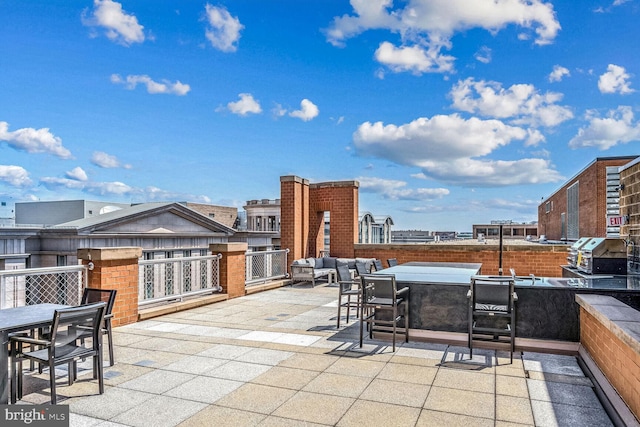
<point x="581" y="206"/>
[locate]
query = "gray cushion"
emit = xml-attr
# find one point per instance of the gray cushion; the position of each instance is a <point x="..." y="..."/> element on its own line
<point x="329" y="262"/>
<point x="311" y="262"/>
<point x="319" y="263"/>
<point x="300" y="262"/>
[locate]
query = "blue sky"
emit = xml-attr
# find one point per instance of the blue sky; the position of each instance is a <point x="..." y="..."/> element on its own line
<point x="448" y="112"/>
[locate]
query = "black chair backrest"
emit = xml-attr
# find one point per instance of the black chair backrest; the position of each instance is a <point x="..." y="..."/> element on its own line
<point x="91" y="295"/>
<point x="379" y="286"/>
<point x="392" y="262"/>
<point x="492" y="293"/>
<point x="377" y="264"/>
<point x="344" y="276"/>
<point x="361" y="268"/>
<point x="72" y="323"/>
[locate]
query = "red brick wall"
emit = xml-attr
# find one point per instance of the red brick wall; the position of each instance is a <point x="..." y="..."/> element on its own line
<point x="619" y="363"/>
<point x="592" y="190"/>
<point x="294" y="206"/>
<point x="232" y="267"/>
<point x="630" y="202"/>
<point x="540" y="260"/>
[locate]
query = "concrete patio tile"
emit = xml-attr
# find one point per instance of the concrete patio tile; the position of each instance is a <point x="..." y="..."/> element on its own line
<point x="552" y="364"/>
<point x="337" y="384"/>
<point x="429" y="418"/>
<point x="214" y="415"/>
<point x="514" y="409"/>
<point x="569" y="394"/>
<point x="157" y="381"/>
<point x="365" y="413"/>
<point x="559" y="378"/>
<point x="123" y="339"/>
<point x="396" y="393"/>
<point x="225" y="351"/>
<point x="354" y="366"/>
<point x="280" y="376"/>
<point x="256" y="398"/>
<point x="153" y="358"/>
<point x="195" y="364"/>
<point x="313" y="362"/>
<point x="511" y="386"/>
<point x="121" y="372"/>
<point x="161" y="411"/>
<point x="508" y="424"/>
<point x="204" y="389"/>
<point x="315" y="408"/>
<point x="113" y="402"/>
<point x="156" y="343"/>
<point x="187" y="347"/>
<point x="561" y="415"/>
<point x="465" y="380"/>
<point x="237" y="371"/>
<point x="462" y="402"/>
<point x="264" y="356"/>
<point x="272" y="421"/>
<point x="416" y="361"/>
<point x="408" y="373"/>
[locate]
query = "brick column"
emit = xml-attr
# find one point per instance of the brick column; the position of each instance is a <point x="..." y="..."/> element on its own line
<point x="294" y="216"/>
<point x="116" y="268"/>
<point x="232" y="267"/>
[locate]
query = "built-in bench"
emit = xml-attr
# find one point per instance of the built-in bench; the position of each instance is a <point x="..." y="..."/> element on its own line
<point x="610" y="334"/>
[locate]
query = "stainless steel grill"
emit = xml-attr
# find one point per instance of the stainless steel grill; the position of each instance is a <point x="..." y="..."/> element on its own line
<point x="603" y="256"/>
<point x="574" y="250"/>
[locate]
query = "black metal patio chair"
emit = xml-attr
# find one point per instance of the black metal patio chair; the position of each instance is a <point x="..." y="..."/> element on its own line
<point x="348" y="288"/>
<point x="492" y="311"/>
<point x="69" y="326"/>
<point x="91" y="295"/>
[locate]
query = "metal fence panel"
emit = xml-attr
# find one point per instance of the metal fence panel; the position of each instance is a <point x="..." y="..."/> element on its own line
<point x="263" y="266"/>
<point x="176" y="278"/>
<point x="29" y="286"/>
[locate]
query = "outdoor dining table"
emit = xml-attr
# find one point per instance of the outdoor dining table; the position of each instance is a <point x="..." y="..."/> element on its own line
<point x="20" y="319"/>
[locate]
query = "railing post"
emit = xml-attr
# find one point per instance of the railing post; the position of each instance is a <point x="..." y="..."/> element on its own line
<point x="115" y="268"/>
<point x="232" y="267"/>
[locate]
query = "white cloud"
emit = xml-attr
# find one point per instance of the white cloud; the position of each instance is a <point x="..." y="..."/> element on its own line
<point x="427" y="26"/>
<point x="615" y="81"/>
<point x="452" y="149"/>
<point x="153" y="87"/>
<point x="414" y="59"/>
<point x="483" y="55"/>
<point x="224" y="30"/>
<point x="14" y="175"/>
<point x="521" y="102"/>
<point x="245" y="105"/>
<point x="308" y="111"/>
<point x="107" y="161"/>
<point x="618" y="127"/>
<point x="116" y="188"/>
<point x="120" y="27"/>
<point x="396" y="190"/>
<point x="278" y="110"/>
<point x="77" y="173"/>
<point x="558" y="73"/>
<point x="620" y="2"/>
<point x="34" y="141"/>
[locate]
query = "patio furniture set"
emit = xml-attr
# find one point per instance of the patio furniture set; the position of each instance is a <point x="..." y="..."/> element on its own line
<point x="55" y="334"/>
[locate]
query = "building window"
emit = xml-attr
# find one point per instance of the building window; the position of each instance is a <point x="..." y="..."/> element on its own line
<point x="547" y="207"/>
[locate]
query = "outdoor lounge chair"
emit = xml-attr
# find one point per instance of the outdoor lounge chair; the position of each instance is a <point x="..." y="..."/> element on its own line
<point x="492" y="311"/>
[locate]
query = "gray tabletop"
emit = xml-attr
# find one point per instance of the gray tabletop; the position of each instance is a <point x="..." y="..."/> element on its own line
<point x="20" y="318"/>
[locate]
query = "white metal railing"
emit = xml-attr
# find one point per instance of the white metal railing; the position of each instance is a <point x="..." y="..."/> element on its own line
<point x="263" y="266"/>
<point x="29" y="286"/>
<point x="175" y="278"/>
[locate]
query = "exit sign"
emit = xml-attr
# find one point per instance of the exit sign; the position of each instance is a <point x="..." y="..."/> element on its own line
<point x="616" y="221"/>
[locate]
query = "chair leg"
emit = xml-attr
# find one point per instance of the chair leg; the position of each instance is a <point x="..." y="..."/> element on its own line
<point x="361" y="323"/>
<point x="395" y="320"/>
<point x="348" y="306"/>
<point x="339" y="307"/>
<point x="406" y="322"/>
<point x="52" y="382"/>
<point x="110" y="342"/>
<point x="98" y="363"/>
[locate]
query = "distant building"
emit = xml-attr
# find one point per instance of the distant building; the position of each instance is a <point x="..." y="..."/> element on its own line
<point x="259" y="225"/>
<point x="56" y="230"/>
<point x="412" y="236"/>
<point x="374" y="229"/>
<point x="510" y="230"/>
<point x="580" y="208"/>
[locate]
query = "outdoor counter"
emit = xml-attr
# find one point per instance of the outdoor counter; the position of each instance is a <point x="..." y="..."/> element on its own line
<point x="546" y="307"/>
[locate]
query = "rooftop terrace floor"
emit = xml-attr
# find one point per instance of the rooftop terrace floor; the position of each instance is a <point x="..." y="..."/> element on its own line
<point x="275" y="358"/>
